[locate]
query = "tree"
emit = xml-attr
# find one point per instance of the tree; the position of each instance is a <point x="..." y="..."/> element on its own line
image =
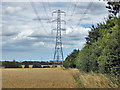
<point x="83" y="62"/>
<point x="102" y="54"/>
<point x="71" y="59"/>
<point x="66" y="64"/>
<point x="109" y="61"/>
<point x="113" y="8"/>
<point x="93" y="35"/>
<point x="37" y="65"/>
<point x="13" y="64"/>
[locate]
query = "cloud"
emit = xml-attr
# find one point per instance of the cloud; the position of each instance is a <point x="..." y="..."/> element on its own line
<point x="8" y="31"/>
<point x="94" y="13"/>
<point x="11" y="10"/>
<point x="23" y="35"/>
<point x="22" y="32"/>
<point x="38" y="44"/>
<point x="75" y="36"/>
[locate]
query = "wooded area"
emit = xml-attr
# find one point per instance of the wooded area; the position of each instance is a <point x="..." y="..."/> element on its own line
<point x="101" y="52"/>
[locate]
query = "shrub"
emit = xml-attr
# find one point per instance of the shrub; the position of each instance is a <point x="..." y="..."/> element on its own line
<point x="54" y="66"/>
<point x="12" y="65"/>
<point x="26" y="66"/>
<point x="37" y="65"/>
<point x="66" y="64"/>
<point x="46" y="66"/>
<point x="70" y="61"/>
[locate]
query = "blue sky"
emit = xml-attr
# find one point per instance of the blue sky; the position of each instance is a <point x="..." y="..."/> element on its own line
<point x="23" y="37"/>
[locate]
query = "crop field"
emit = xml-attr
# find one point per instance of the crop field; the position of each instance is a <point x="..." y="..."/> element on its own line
<point x="37" y="78"/>
<point x="53" y="78"/>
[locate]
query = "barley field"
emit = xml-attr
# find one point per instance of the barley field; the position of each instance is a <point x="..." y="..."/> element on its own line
<point x="53" y="78"/>
<point x="37" y="78"/>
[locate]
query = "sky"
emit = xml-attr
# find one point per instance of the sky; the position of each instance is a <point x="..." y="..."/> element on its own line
<point x="25" y="38"/>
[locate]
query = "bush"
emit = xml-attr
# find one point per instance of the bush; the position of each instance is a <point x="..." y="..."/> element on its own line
<point x="46" y="66"/>
<point x="70" y="61"/>
<point x="54" y="66"/>
<point x="26" y="66"/>
<point x="11" y="65"/>
<point x="37" y="65"/>
<point x="66" y="64"/>
<point x="101" y="52"/>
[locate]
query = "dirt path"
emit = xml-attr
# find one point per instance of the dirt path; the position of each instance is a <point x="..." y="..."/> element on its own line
<point x="37" y="78"/>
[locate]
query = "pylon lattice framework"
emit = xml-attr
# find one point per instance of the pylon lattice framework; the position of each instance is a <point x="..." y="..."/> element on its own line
<point x="58" y="47"/>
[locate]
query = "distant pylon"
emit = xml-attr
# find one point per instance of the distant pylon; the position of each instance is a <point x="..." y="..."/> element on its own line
<point x="58" y="54"/>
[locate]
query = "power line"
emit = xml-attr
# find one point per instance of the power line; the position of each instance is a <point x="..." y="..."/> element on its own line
<point x="45" y="9"/>
<point x="36" y="13"/>
<point x="67" y="9"/>
<point x="46" y="12"/>
<point x="73" y="10"/>
<point x="85" y="12"/>
<point x="49" y="6"/>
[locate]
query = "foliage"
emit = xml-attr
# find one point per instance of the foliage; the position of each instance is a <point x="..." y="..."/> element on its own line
<point x="37" y="65"/>
<point x="70" y="61"/>
<point x="14" y="64"/>
<point x="54" y="66"/>
<point x="46" y="66"/>
<point x="113" y="8"/>
<point x="66" y="64"/>
<point x="101" y="54"/>
<point x="26" y="66"/>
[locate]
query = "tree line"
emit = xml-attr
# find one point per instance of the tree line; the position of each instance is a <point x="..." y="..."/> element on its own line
<point x="36" y="64"/>
<point x="101" y="52"/>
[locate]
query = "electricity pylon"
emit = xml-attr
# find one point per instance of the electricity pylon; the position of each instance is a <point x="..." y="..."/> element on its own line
<point x="58" y="54"/>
